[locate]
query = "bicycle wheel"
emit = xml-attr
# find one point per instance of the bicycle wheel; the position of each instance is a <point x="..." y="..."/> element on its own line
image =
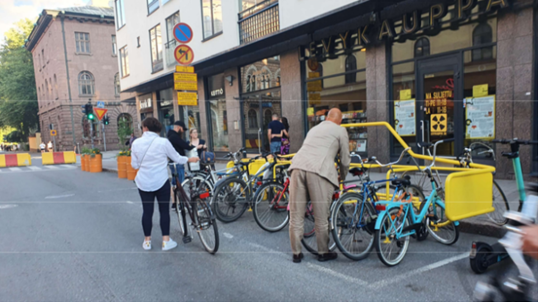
<point x="206" y="225"/>
<point x="179" y="212"/>
<point x="501" y="205"/>
<point x="310" y="241"/>
<point x="230" y="199"/>
<point x="353" y="231"/>
<point x="439" y="226"/>
<point x="200" y="185"/>
<point x="391" y="250"/>
<point x="271" y="207"/>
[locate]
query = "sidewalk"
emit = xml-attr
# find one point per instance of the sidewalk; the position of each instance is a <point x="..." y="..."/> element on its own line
<point x="477" y="225"/>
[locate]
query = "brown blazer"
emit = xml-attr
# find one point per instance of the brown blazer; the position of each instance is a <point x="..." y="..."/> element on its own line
<point x="319" y="150"/>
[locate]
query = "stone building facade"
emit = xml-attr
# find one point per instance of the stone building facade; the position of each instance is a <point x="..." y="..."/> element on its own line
<point x="75" y="62"/>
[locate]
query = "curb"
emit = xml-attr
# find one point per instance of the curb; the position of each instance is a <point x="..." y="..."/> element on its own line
<point x="482" y="229"/>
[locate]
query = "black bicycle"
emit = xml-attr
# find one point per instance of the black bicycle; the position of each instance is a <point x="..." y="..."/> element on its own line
<point x="200" y="215"/>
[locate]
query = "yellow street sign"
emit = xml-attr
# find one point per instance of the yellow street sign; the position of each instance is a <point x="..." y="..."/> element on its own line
<point x="185" y="77"/>
<point x="53" y="133"/>
<point x="186" y="86"/>
<point x="184" y="68"/>
<point x="314" y="86"/>
<point x="187" y="98"/>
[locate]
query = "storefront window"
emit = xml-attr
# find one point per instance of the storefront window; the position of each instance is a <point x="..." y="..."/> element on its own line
<point x="217" y="108"/>
<point x="454" y="96"/>
<point x="146" y="106"/>
<point x="165" y="102"/>
<point x="332" y="83"/>
<point x="261" y="75"/>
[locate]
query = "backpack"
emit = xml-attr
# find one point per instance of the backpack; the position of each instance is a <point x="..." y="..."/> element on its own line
<point x="207" y="158"/>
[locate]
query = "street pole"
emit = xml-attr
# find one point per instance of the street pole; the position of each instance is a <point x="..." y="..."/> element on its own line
<point x="53" y="139"/>
<point x="104" y="135"/>
<point x="91" y="132"/>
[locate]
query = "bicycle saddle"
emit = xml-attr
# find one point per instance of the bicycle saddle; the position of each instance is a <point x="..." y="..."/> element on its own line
<point x="401" y="182"/>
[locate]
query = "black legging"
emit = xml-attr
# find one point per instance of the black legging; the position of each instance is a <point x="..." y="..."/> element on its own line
<point x="148" y="204"/>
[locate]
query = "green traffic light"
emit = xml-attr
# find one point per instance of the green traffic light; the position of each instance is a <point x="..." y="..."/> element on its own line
<point x="91" y="116"/>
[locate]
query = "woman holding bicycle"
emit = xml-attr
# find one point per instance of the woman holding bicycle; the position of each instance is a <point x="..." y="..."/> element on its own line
<point x="150" y="155"/>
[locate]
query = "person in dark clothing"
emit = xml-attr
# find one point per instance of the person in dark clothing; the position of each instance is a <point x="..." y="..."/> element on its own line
<point x="181" y="146"/>
<point x="285" y="148"/>
<point x="274" y="133"/>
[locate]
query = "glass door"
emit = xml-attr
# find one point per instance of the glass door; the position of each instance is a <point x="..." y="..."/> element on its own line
<point x="258" y="110"/>
<point x="440" y="112"/>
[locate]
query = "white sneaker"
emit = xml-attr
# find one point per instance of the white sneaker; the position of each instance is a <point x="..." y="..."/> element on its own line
<point x="168" y="245"/>
<point x="146" y="245"/>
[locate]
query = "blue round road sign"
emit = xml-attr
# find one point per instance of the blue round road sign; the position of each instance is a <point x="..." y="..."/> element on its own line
<point x="183" y="33"/>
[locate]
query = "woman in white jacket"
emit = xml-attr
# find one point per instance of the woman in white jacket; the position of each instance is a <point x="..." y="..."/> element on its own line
<point x="150" y="154"/>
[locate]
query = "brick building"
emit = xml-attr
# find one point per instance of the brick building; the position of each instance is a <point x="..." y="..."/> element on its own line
<point x="75" y="62"/>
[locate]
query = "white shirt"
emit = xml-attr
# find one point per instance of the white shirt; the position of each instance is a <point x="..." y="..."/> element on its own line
<point x="50" y="145"/>
<point x="153" y="167"/>
<point x="42" y="146"/>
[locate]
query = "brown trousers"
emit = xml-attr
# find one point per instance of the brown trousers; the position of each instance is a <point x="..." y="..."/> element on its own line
<point x="304" y="187"/>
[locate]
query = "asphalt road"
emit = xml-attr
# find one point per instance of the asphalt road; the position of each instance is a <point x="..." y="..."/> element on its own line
<point x="68" y="235"/>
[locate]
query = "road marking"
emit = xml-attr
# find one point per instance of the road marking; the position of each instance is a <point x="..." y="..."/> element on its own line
<point x="59" y="196"/>
<point x="8" y="206"/>
<point x="34" y="168"/>
<point x="51" y="167"/>
<point x="130" y="202"/>
<point x="228" y="235"/>
<point x="67" y="166"/>
<point x="115" y="190"/>
<point x="395" y="279"/>
<point x="313" y="266"/>
<point x="15" y="169"/>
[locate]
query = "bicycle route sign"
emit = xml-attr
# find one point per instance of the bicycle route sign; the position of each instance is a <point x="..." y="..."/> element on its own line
<point x="183" y="33"/>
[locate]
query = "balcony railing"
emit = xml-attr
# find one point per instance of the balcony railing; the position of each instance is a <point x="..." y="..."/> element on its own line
<point x="259" y="21"/>
<point x="169" y="49"/>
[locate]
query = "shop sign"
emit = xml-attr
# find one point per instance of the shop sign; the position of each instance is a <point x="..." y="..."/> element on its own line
<point x="480" y="90"/>
<point x="437" y="102"/>
<point x="480" y="117"/>
<point x="411" y="23"/>
<point x="314" y="86"/>
<point x="405" y="94"/>
<point x="438" y="124"/>
<point x="217" y="92"/>
<point x="147" y="103"/>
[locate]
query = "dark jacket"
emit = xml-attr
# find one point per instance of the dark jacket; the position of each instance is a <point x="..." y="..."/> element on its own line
<point x="179" y="144"/>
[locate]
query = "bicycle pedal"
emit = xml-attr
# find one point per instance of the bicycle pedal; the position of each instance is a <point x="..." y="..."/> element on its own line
<point x="187" y="239"/>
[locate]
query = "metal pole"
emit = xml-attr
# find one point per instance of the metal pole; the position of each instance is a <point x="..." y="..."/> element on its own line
<point x="54" y="139"/>
<point x="91" y="132"/>
<point x="104" y="135"/>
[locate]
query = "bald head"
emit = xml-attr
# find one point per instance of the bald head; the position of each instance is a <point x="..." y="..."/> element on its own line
<point x="335" y="116"/>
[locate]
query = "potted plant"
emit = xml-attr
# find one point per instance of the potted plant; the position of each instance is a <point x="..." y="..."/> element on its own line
<point x="131" y="172"/>
<point x="124" y="160"/>
<point x="83" y="160"/>
<point x="96" y="161"/>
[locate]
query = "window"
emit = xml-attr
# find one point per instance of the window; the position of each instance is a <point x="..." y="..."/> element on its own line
<point x="170" y="24"/>
<point x="137" y="42"/>
<point x="39" y="61"/>
<point x="120" y="14"/>
<point x="127" y="119"/>
<point x="85" y="83"/>
<point x="422" y="47"/>
<point x="252" y="119"/>
<point x="56" y="86"/>
<point x="482" y="35"/>
<point x="351" y="64"/>
<point x="114" y="46"/>
<point x="43" y="56"/>
<point x="212" y="17"/>
<point x="117" y="87"/>
<point x="152" y="6"/>
<point x="47" y="87"/>
<point x="124" y="60"/>
<point x="83" y="42"/>
<point x="156" y="48"/>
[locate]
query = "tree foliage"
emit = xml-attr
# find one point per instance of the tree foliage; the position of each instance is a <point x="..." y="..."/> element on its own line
<point x="18" y="98"/>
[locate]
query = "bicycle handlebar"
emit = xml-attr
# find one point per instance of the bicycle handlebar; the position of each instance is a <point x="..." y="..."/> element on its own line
<point x="514" y="141"/>
<point x="435" y="151"/>
<point x="393" y="163"/>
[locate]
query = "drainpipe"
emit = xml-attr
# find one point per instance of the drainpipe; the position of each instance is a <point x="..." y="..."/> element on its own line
<point x="68" y="82"/>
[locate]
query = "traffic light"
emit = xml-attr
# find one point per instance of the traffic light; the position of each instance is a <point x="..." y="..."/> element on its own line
<point x="89" y="112"/>
<point x="105" y="120"/>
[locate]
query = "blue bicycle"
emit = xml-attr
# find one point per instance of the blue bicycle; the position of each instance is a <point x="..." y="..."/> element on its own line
<point x="356" y="212"/>
<point x="399" y="221"/>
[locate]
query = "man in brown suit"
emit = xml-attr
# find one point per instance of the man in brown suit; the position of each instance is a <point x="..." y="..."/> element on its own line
<point x="314" y="178"/>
